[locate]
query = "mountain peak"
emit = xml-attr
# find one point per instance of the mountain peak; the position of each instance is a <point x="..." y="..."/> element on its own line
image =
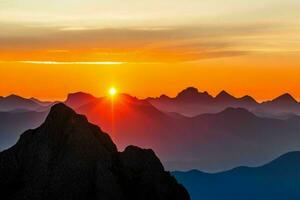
<point x="248" y="98"/>
<point x="78" y="99"/>
<point x="192" y="94"/>
<point x="79" y="94"/>
<point x="15" y="97"/>
<point x="190" y="91"/>
<point x="163" y="96"/>
<point x="73" y="159"/>
<point x="13" y="102"/>
<point x="63" y="122"/>
<point x="61" y="109"/>
<point x="286" y="98"/>
<point x="223" y="95"/>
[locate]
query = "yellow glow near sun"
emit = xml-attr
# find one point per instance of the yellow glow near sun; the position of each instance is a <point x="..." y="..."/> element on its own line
<point x="112" y="91"/>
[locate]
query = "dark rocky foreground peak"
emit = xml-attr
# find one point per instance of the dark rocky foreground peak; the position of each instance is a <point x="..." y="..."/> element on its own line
<point x="69" y="158"/>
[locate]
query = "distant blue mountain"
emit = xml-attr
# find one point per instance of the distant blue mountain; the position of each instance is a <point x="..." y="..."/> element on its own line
<point x="13" y="123"/>
<point x="278" y="180"/>
<point x="13" y="102"/>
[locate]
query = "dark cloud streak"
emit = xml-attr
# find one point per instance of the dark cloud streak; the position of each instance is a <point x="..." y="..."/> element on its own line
<point x="185" y="43"/>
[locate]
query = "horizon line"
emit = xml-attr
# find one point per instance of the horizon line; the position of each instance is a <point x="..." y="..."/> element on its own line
<point x="214" y="96"/>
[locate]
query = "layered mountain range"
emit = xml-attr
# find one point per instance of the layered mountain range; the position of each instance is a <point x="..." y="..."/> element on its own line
<point x="191" y="102"/>
<point x="210" y="142"/>
<point x="232" y="131"/>
<point x="16" y="103"/>
<point x="12" y="124"/>
<point x="276" y="180"/>
<point x="69" y="158"/>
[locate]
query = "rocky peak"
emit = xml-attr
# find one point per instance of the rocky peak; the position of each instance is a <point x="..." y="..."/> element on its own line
<point x="69" y="158"/>
<point x="285" y="98"/>
<point x="192" y="94"/>
<point x="224" y="96"/>
<point x="248" y="99"/>
<point x="188" y="92"/>
<point x="78" y="99"/>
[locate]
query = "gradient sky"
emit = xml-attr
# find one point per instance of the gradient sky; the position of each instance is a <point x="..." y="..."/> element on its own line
<point x="147" y="48"/>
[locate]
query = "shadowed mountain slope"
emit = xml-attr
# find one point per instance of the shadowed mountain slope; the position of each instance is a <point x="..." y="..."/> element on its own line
<point x="277" y="180"/>
<point x="69" y="158"/>
<point x="12" y="124"/>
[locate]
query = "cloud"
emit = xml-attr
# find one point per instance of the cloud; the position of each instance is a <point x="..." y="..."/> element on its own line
<point x="70" y="62"/>
<point x="136" y="44"/>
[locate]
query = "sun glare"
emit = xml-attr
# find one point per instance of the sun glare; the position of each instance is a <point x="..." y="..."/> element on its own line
<point x="112" y="91"/>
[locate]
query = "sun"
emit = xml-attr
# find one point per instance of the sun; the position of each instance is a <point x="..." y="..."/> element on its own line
<point x="112" y="91"/>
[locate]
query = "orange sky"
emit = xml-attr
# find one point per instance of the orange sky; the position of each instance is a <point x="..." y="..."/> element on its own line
<point x="147" y="49"/>
<point x="262" y="76"/>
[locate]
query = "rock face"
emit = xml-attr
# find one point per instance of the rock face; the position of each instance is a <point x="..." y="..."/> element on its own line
<point x="69" y="158"/>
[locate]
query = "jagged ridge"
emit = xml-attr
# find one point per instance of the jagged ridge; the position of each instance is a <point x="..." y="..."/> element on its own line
<point x="69" y="158"/>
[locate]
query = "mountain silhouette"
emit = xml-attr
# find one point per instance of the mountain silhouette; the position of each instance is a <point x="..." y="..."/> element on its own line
<point x="281" y="105"/>
<point x="17" y="114"/>
<point x="191" y="102"/>
<point x="69" y="158"/>
<point x="126" y="118"/>
<point x="192" y="94"/>
<point x="225" y="97"/>
<point x="78" y="99"/>
<point x="15" y="122"/>
<point x="14" y="102"/>
<point x="209" y="142"/>
<point x="277" y="180"/>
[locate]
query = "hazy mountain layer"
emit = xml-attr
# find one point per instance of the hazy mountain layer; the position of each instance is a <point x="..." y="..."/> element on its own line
<point x="210" y="142"/>
<point x="277" y="180"/>
<point x="13" y="123"/>
<point x="191" y="102"/>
